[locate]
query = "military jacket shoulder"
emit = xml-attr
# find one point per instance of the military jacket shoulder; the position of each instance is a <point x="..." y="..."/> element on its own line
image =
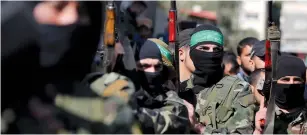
<point x="227" y="105"/>
<point x="299" y="125"/>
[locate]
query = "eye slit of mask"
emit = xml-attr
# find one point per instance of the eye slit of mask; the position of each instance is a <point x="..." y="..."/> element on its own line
<point x="285" y="79"/>
<point x="203" y="48"/>
<point x="217" y="49"/>
<point x="298" y="80"/>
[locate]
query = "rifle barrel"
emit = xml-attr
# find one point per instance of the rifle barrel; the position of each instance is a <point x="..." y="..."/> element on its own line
<point x="172" y="38"/>
<point x="270" y="12"/>
<point x="173" y="5"/>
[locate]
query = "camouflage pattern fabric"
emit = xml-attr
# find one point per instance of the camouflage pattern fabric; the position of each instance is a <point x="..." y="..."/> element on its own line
<point x="290" y="123"/>
<point x="105" y="110"/>
<point x="298" y="126"/>
<point x="227" y="107"/>
<point x="170" y="116"/>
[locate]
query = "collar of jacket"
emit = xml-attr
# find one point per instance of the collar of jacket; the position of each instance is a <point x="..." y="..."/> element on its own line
<point x="242" y="76"/>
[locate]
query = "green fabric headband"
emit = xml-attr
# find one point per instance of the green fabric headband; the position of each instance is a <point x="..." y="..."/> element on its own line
<point x="207" y="35"/>
<point x="165" y="52"/>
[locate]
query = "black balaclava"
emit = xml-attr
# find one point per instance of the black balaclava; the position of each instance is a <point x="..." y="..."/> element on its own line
<point x="71" y="49"/>
<point x="151" y="81"/>
<point x="208" y="69"/>
<point x="289" y="96"/>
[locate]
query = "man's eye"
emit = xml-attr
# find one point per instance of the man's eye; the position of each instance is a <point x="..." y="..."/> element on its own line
<point x="144" y="66"/>
<point x="286" y="79"/>
<point x="217" y="49"/>
<point x="204" y="48"/>
<point x="298" y="80"/>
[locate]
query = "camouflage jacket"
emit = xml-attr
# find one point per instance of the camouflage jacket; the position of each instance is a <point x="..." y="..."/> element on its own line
<point x="287" y="124"/>
<point x="164" y="114"/>
<point x="234" y="106"/>
<point x="103" y="108"/>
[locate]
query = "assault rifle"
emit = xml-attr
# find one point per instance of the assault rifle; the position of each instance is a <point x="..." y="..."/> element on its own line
<point x="271" y="55"/>
<point x="172" y="38"/>
<point x="110" y="38"/>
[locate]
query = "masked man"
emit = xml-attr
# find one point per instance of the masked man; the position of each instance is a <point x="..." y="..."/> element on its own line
<point x="224" y="104"/>
<point x="158" y="111"/>
<point x="48" y="95"/>
<point x="290" y="111"/>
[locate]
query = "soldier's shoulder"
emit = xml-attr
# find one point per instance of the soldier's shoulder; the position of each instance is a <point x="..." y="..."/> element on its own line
<point x="107" y="106"/>
<point x="298" y="125"/>
<point x="113" y="84"/>
<point x="172" y="96"/>
<point x="241" y="89"/>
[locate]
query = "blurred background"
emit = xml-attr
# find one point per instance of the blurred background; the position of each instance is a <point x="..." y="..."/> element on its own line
<point x="238" y="19"/>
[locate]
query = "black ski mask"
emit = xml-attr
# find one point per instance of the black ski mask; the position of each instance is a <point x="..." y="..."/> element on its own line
<point x="151" y="81"/>
<point x="289" y="96"/>
<point x="70" y="49"/>
<point x="208" y="69"/>
<point x="57" y="38"/>
<point x="207" y="66"/>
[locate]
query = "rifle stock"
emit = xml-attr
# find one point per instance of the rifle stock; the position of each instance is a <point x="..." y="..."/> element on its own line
<point x="172" y="38"/>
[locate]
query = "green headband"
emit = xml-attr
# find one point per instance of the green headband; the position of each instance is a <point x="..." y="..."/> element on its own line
<point x="165" y="52"/>
<point x="207" y="35"/>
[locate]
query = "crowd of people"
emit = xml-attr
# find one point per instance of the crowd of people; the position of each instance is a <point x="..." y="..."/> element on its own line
<point x="52" y="82"/>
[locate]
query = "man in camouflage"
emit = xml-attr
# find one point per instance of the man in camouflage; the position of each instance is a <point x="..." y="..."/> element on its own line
<point x="157" y="110"/>
<point x="169" y="71"/>
<point x="224" y="105"/>
<point x="290" y="111"/>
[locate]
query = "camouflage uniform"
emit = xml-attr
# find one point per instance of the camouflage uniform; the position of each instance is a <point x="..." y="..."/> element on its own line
<point x="104" y="109"/>
<point x="287" y="124"/>
<point x="234" y="103"/>
<point x="162" y="114"/>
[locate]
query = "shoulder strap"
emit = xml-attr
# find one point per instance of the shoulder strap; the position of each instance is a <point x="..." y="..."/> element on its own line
<point x="223" y="88"/>
<point x="219" y="93"/>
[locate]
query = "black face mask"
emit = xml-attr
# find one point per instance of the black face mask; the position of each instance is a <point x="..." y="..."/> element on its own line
<point x="288" y="95"/>
<point x="54" y="41"/>
<point x="208" y="69"/>
<point x="151" y="82"/>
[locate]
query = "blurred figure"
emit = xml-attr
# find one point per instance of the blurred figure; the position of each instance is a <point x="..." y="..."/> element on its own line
<point x="258" y="54"/>
<point x="184" y="24"/>
<point x="230" y="64"/>
<point x="47" y="67"/>
<point x="290" y="108"/>
<point x="158" y="111"/>
<point x="257" y="81"/>
<point x="144" y="30"/>
<point x="163" y="36"/>
<point x="131" y="10"/>
<point x="244" y="57"/>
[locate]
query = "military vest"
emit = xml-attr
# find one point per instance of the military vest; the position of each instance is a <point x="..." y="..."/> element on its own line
<point x="215" y="104"/>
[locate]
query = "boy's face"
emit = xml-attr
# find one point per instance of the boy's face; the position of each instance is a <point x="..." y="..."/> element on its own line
<point x="244" y="60"/>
